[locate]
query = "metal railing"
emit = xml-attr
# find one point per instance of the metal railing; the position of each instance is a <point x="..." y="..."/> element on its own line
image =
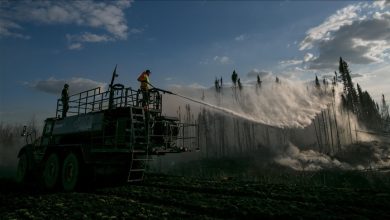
<point x="94" y="100"/>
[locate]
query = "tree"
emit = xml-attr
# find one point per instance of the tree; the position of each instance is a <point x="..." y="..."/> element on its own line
<point x="217" y="86"/>
<point x="258" y="81"/>
<point x="239" y="84"/>
<point x="317" y="82"/>
<point x="384" y="109"/>
<point x="234" y="78"/>
<point x="349" y="90"/>
<point x="334" y="78"/>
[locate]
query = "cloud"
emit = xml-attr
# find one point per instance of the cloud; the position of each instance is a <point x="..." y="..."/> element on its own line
<point x="136" y="31"/>
<point x="290" y="62"/>
<point x="240" y="37"/>
<point x="375" y="81"/>
<point x="294" y="62"/>
<point x="253" y="73"/>
<point x="381" y="3"/>
<point x="75" y="46"/>
<point x="108" y="16"/>
<point x="7" y="27"/>
<point x="89" y="37"/>
<point x="308" y="57"/>
<point x="355" y="32"/>
<point x="54" y="86"/>
<point x="222" y="60"/>
<point x="322" y="32"/>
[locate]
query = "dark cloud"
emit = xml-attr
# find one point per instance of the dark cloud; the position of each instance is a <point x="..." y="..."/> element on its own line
<point x="361" y="42"/>
<point x="76" y="85"/>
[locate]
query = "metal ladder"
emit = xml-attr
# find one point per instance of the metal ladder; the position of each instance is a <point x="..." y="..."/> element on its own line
<point x="140" y="145"/>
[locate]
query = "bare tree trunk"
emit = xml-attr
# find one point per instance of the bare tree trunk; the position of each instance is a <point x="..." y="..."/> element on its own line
<point x="337" y="129"/>
<point x="315" y="129"/>
<point x="330" y="128"/>
<point x="326" y="142"/>
<point x="320" y="134"/>
<point x="349" y="125"/>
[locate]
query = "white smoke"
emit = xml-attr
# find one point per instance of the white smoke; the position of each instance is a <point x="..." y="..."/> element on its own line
<point x="308" y="160"/>
<point x="295" y="120"/>
<point x="285" y="105"/>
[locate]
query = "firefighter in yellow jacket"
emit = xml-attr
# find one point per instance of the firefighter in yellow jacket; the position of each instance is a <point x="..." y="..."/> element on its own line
<point x="145" y="82"/>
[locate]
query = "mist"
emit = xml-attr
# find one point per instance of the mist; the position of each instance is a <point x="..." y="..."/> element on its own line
<point x="287" y="104"/>
<point x="10" y="144"/>
<point x="292" y="124"/>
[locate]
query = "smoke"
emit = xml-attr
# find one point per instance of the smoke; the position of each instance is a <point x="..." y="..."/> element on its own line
<point x="308" y="160"/>
<point x="304" y="127"/>
<point x="286" y="105"/>
<point x="10" y="144"/>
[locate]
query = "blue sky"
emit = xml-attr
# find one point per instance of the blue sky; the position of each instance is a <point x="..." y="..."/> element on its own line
<point x="44" y="44"/>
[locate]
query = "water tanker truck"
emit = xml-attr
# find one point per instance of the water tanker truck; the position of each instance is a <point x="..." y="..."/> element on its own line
<point x="105" y="133"/>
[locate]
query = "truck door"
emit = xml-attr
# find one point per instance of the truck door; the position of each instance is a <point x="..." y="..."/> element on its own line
<point x="47" y="133"/>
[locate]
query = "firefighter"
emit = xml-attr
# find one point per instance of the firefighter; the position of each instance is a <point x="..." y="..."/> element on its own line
<point x="145" y="82"/>
<point x="65" y="100"/>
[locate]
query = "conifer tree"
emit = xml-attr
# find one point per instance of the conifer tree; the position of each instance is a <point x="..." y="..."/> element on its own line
<point x="216" y="83"/>
<point x="234" y="78"/>
<point x="384" y="109"/>
<point x="258" y="81"/>
<point x="317" y="82"/>
<point x="239" y="84"/>
<point x="349" y="90"/>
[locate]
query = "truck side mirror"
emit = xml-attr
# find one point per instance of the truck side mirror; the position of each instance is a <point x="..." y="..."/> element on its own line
<point x="24" y="132"/>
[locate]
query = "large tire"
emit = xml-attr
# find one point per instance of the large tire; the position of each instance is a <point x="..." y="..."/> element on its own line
<point x="71" y="172"/>
<point x="51" y="171"/>
<point x="22" y="171"/>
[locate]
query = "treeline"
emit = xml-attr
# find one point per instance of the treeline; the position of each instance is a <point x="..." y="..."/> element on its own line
<point x="360" y="102"/>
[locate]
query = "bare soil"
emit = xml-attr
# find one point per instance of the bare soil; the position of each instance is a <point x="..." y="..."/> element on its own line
<point x="176" y="197"/>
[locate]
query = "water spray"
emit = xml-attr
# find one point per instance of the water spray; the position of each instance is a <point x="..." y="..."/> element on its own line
<point x="225" y="110"/>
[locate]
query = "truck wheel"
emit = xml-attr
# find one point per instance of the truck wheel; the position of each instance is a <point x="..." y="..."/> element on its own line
<point x="22" y="169"/>
<point x="51" y="171"/>
<point x="70" y="172"/>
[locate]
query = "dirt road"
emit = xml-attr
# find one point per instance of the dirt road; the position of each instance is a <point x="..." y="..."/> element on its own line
<point x="169" y="197"/>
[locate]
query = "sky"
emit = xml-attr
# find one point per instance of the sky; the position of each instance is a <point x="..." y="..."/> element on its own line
<point x="44" y="44"/>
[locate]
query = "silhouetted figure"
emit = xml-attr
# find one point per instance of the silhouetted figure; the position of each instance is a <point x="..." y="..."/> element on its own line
<point x="65" y="100"/>
<point x="277" y="80"/>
